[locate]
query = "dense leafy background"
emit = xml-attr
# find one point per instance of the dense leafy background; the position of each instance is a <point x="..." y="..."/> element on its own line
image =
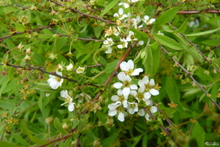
<point x="73" y="31"/>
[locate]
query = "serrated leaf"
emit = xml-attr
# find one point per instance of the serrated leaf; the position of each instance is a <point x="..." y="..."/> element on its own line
<point x="169" y="42"/>
<point x="202" y="33"/>
<point x="58" y="125"/>
<point x="109" y="7"/>
<point x="167" y="16"/>
<point x="111" y="66"/>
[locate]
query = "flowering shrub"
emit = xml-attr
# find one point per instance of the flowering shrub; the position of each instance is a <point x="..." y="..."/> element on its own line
<point x="109" y="73"/>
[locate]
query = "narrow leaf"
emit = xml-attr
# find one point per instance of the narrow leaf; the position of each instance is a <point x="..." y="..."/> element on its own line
<point x="169" y="42"/>
<point x="202" y="33"/>
<point x="111" y="66"/>
<point x="167" y="16"/>
<point x="58" y="125"/>
<point x="172" y="90"/>
<point x="110" y="6"/>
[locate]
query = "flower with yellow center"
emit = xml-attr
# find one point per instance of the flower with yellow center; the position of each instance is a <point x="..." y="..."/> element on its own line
<point x="68" y="100"/>
<point x="128" y="68"/>
<point x="55" y="81"/>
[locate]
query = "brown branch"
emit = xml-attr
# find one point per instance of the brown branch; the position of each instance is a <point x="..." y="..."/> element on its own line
<point x="198" y="12"/>
<point x="44" y="71"/>
<point x="56" y="140"/>
<point x="164" y="128"/>
<point x="212" y="48"/>
<point x="83" y="14"/>
<point x="195" y="46"/>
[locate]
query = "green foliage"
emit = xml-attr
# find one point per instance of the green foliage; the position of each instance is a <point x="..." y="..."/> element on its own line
<point x="60" y="62"/>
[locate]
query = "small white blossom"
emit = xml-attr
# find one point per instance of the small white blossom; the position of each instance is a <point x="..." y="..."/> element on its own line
<point x="148" y="85"/>
<point x="136" y="21"/>
<point x="128" y="68"/>
<point x="80" y="70"/>
<point x="113" y="111"/>
<point x="120" y="15"/>
<point x="68" y="100"/>
<point x="83" y="96"/>
<point x="131" y="37"/>
<point x="159" y="33"/>
<point x="108" y="42"/>
<point x="194" y="23"/>
<point x="140" y="43"/>
<point x="124" y="43"/>
<point x="153" y="109"/>
<point x="109" y="50"/>
<point x="132" y="107"/>
<point x="126" y="5"/>
<point x="148" y="21"/>
<point x="126" y="84"/>
<point x="120" y="98"/>
<point x="55" y="81"/>
<point x="69" y="67"/>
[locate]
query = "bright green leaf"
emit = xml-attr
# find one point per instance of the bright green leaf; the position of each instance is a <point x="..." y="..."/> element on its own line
<point x="58" y="125"/>
<point x="167" y="16"/>
<point x="111" y="66"/>
<point x="169" y="42"/>
<point x="109" y="7"/>
<point x="202" y="33"/>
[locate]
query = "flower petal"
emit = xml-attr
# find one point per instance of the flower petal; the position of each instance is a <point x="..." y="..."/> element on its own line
<point x="71" y="106"/>
<point x="114" y="98"/>
<point x="112" y="112"/>
<point x="154" y="92"/>
<point x="141" y="112"/>
<point x="126" y="91"/>
<point x="117" y="85"/>
<point x="131" y="64"/>
<point x="121" y="117"/>
<point x="133" y="86"/>
<point x="153" y="109"/>
<point x="124" y="66"/>
<point x="147" y="95"/>
<point x="137" y="71"/>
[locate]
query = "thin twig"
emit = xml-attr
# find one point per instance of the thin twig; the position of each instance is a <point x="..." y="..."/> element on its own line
<point x="84" y="14"/>
<point x="164" y="128"/>
<point x="198" y="12"/>
<point x="188" y="73"/>
<point x="212" y="48"/>
<point x="195" y="46"/>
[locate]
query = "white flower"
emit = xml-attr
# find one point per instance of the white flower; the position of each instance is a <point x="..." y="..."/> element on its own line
<point x="47" y="94"/>
<point x="131" y="37"/>
<point x="55" y="81"/>
<point x="120" y="98"/>
<point x="136" y="21"/>
<point x="126" y="85"/>
<point x="83" y="96"/>
<point x="148" y="21"/>
<point x="113" y="111"/>
<point x="124" y="43"/>
<point x="194" y="23"/>
<point x="109" y="50"/>
<point x="140" y="43"/>
<point x="120" y="15"/>
<point x="159" y="33"/>
<point x="133" y="1"/>
<point x="80" y="70"/>
<point x="68" y="100"/>
<point x="128" y="68"/>
<point x="148" y="86"/>
<point x="69" y="67"/>
<point x="126" y="5"/>
<point x="132" y="107"/>
<point x="108" y="42"/>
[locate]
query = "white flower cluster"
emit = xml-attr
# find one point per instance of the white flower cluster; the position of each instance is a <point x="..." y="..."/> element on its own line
<point x="125" y="18"/>
<point x="55" y="82"/>
<point x="132" y="98"/>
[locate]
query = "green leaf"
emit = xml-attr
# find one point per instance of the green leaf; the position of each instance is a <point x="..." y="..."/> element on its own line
<point x="182" y="28"/>
<point x="98" y="30"/>
<point x="167" y="16"/>
<point x="199" y="134"/>
<point x="148" y="61"/>
<point x="7" y="144"/>
<point x="202" y="33"/>
<point x="140" y="33"/>
<point x="110" y="6"/>
<point x="172" y="90"/>
<point x="111" y="66"/>
<point x="58" y="125"/>
<point x="108" y="141"/>
<point x="19" y="139"/>
<point x="169" y="42"/>
<point x="60" y="42"/>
